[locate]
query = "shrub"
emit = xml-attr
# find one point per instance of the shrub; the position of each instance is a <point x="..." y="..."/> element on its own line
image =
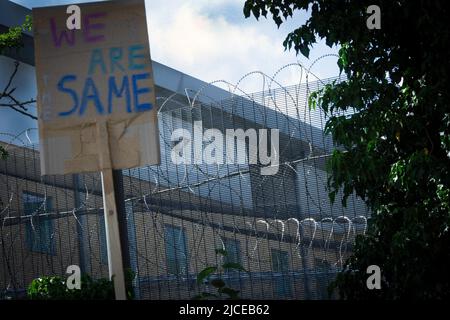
<point x="55" y="288"/>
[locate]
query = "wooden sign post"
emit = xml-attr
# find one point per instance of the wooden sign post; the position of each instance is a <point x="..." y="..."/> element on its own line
<point x="115" y="261"/>
<point x="96" y="100"/>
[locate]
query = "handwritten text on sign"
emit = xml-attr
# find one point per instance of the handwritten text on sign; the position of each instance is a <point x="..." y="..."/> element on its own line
<point x="101" y="72"/>
<point x="124" y="90"/>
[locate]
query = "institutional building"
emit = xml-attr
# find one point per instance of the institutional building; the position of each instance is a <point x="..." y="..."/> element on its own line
<point x="281" y="228"/>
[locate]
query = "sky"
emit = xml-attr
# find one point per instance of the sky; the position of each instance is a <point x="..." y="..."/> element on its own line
<point x="211" y="40"/>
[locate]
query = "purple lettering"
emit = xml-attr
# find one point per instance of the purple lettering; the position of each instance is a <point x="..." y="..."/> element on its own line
<point x="65" y="34"/>
<point x="88" y="27"/>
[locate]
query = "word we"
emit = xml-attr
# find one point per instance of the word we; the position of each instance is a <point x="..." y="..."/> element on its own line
<point x="235" y="152"/>
<point x="123" y="89"/>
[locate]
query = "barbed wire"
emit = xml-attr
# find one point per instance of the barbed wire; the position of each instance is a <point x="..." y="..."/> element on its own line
<point x="306" y="234"/>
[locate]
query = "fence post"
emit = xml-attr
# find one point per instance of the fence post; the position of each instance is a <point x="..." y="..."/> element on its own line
<point x="303" y="254"/>
<point x="80" y="223"/>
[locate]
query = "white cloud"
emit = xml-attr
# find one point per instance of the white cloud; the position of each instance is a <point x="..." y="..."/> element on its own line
<point x="211" y="40"/>
<point x="187" y="37"/>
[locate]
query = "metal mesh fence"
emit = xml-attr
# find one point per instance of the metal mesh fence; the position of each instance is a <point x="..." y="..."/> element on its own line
<point x="281" y="227"/>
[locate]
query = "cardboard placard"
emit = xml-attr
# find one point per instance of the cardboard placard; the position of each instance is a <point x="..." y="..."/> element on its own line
<point x="99" y="73"/>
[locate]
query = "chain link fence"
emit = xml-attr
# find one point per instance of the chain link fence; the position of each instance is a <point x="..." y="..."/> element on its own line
<point x="281" y="228"/>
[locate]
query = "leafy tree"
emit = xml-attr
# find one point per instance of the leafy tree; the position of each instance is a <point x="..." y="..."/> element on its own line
<point x="397" y="143"/>
<point x="206" y="277"/>
<point x="55" y="288"/>
<point x="12" y="40"/>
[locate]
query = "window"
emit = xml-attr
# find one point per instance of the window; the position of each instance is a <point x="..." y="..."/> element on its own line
<point x="280" y="266"/>
<point x="38" y="230"/>
<point x="232" y="247"/>
<point x="176" y="253"/>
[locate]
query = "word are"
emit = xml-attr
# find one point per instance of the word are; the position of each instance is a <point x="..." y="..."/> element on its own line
<point x="74" y="20"/>
<point x="185" y="146"/>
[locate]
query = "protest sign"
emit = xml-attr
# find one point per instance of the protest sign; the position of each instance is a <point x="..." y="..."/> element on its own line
<point x="96" y="100"/>
<point x="100" y="73"/>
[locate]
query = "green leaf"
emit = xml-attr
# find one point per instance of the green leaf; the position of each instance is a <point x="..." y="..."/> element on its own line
<point x="217" y="283"/>
<point x="205" y="273"/>
<point x="231" y="293"/>
<point x="312" y="101"/>
<point x="304" y="49"/>
<point x="247" y="9"/>
<point x="255" y="12"/>
<point x="3" y="153"/>
<point x="278" y="21"/>
<point x="332" y="196"/>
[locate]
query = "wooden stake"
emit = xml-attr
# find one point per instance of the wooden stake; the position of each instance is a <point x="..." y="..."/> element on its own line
<point x="115" y="263"/>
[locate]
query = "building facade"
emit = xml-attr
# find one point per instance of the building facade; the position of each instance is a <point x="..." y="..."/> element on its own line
<point x="280" y="228"/>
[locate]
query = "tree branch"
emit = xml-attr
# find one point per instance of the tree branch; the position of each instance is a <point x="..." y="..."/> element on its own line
<point x="16" y="105"/>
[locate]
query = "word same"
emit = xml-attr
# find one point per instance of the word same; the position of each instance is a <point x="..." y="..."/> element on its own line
<point x="121" y="70"/>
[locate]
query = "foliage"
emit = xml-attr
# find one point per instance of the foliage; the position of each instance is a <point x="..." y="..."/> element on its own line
<point x="219" y="284"/>
<point x="392" y="118"/>
<point x="54" y="288"/>
<point x="3" y="153"/>
<point x="12" y="39"/>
